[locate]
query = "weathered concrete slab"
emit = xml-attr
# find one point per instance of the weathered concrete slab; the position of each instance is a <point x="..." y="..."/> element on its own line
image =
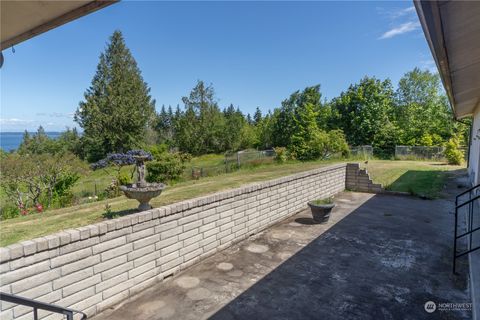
<point x="380" y="257"/>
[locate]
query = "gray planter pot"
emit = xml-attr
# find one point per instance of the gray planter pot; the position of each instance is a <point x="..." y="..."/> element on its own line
<point x="321" y="212"/>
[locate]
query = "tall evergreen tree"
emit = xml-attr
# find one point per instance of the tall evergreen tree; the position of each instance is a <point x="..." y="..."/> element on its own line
<point x="249" y="119"/>
<point x="164" y="125"/>
<point x="118" y="107"/>
<point x="234" y="123"/>
<point x="204" y="133"/>
<point x="257" y="116"/>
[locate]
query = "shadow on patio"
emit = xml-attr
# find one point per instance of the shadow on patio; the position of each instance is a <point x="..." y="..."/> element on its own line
<point x="383" y="261"/>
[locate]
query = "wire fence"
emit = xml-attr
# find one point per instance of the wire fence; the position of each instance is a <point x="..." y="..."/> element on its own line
<point x="364" y="152"/>
<point x="234" y="161"/>
<point x="419" y="153"/>
<point x="249" y="157"/>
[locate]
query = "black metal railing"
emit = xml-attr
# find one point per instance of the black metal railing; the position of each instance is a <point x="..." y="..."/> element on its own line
<point x="36" y="305"/>
<point x="469" y="223"/>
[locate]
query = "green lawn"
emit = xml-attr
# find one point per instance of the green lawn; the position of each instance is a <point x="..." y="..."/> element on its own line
<point x="208" y="160"/>
<point x="392" y="174"/>
<point x="421" y="178"/>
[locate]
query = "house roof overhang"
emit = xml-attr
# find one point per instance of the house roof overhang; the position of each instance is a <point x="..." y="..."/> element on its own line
<point x="22" y="20"/>
<point x="452" y="30"/>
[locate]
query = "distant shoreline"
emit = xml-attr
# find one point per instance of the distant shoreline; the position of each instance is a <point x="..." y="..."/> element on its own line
<point x="11" y="140"/>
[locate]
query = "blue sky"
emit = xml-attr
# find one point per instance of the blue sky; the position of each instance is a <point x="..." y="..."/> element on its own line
<point x="254" y="53"/>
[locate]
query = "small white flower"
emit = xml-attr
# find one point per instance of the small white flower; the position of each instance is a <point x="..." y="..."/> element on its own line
<point x="89" y="198"/>
<point x="96" y="197"/>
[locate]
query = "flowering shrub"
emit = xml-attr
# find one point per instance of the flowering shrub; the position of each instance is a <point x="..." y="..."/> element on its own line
<point x="121" y="159"/>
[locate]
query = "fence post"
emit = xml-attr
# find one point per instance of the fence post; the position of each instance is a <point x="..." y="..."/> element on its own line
<point x="238" y="159"/>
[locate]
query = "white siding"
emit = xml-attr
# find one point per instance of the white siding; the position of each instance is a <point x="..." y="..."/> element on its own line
<point x="474" y="163"/>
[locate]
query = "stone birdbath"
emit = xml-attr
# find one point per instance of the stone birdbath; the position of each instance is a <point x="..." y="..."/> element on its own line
<point x="142" y="191"/>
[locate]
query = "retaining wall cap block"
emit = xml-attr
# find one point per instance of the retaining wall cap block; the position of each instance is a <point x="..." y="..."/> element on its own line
<point x="29" y="247"/>
<point x="102" y="228"/>
<point x="74" y="234"/>
<point x="65" y="238"/>
<point x="84" y="232"/>
<point x="5" y="254"/>
<point x="53" y="241"/>
<point x="42" y="244"/>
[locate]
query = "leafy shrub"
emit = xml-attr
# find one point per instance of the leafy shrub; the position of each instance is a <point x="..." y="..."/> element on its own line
<point x="157" y="150"/>
<point x="281" y="154"/>
<point x="169" y="167"/>
<point x="385" y="140"/>
<point x="62" y="189"/>
<point x="166" y="166"/>
<point x="33" y="179"/>
<point x="124" y="179"/>
<point x="112" y="190"/>
<point x="322" y="145"/>
<point x="426" y="140"/>
<point x="9" y="211"/>
<point x="453" y="153"/>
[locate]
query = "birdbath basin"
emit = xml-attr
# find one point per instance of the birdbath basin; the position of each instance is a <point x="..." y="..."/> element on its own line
<point x="143" y="194"/>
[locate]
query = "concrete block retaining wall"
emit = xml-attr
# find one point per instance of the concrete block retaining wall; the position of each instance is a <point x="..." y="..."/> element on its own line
<point x="95" y="267"/>
<point x="359" y="180"/>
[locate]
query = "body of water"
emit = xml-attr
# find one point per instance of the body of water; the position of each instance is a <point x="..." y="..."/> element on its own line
<point x="11" y="140"/>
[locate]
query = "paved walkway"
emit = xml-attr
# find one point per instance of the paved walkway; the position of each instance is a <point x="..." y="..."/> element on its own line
<point x="380" y="257"/>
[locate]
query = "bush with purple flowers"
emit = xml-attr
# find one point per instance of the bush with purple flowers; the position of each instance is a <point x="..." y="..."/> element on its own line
<point x="121" y="159"/>
<point x="117" y="161"/>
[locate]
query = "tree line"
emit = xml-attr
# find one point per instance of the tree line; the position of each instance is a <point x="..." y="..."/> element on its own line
<point x="118" y="114"/>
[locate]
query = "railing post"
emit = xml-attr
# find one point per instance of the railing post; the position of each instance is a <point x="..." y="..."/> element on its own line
<point x="455" y="238"/>
<point x="470" y="215"/>
<point x="35" y="313"/>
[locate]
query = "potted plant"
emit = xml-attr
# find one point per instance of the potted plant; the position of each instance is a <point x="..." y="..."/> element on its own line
<point x="321" y="209"/>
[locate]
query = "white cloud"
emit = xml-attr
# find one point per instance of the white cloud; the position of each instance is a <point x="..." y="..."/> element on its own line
<point x="14" y="121"/>
<point x="396" y="13"/>
<point x="403" y="12"/>
<point x="401" y="29"/>
<point x="55" y="115"/>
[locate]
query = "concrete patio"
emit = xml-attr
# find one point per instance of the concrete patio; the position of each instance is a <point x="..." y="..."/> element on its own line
<point x="379" y="257"/>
